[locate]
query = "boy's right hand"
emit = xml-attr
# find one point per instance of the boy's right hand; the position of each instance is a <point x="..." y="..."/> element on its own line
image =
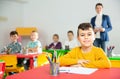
<point x="83" y="62"/>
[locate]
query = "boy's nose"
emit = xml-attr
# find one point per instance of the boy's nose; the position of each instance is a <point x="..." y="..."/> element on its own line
<point x="86" y="37"/>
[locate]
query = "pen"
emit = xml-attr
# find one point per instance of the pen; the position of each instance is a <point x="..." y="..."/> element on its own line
<point x="55" y="56"/>
<point x="49" y="59"/>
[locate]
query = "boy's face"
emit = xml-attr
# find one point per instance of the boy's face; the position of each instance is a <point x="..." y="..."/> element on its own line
<point x="70" y="36"/>
<point x="34" y="36"/>
<point x="86" y="37"/>
<point x="99" y="9"/>
<point x="55" y="39"/>
<point x="14" y="37"/>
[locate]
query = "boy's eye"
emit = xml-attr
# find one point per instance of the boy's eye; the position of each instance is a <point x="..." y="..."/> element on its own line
<point x="81" y="35"/>
<point x="89" y="34"/>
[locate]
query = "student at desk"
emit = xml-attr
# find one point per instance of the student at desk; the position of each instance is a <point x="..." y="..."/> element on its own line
<point x="55" y="44"/>
<point x="71" y="42"/>
<point x="34" y="46"/>
<point x="86" y="55"/>
<point x="14" y="46"/>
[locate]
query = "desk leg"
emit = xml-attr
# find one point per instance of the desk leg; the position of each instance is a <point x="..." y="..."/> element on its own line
<point x="31" y="63"/>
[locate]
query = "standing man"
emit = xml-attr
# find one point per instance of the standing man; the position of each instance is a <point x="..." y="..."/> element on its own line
<point x="102" y="25"/>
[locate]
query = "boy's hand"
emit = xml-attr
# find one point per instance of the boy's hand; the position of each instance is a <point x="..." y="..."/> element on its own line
<point x="83" y="62"/>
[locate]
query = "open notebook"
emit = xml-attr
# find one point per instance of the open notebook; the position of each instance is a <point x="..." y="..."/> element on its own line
<point x="78" y="70"/>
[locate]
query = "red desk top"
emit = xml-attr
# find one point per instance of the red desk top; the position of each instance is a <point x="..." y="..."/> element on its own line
<point x="43" y="73"/>
<point x="26" y="56"/>
<point x="23" y="55"/>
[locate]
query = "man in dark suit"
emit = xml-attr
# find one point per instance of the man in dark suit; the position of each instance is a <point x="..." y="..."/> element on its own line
<point x="102" y="25"/>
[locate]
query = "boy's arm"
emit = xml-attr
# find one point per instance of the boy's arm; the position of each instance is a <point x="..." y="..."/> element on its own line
<point x="101" y="60"/>
<point x="69" y="58"/>
<point x="5" y="48"/>
<point x="19" y="47"/>
<point x="36" y="49"/>
<point x="2" y="50"/>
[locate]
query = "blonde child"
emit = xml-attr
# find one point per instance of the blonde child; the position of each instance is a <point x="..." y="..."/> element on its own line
<point x="34" y="46"/>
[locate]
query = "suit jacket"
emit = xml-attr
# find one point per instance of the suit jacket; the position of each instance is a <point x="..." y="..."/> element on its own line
<point x="106" y="23"/>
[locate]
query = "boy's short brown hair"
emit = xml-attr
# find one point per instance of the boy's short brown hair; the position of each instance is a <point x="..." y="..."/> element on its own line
<point x="13" y="33"/>
<point x="70" y="31"/>
<point x="83" y="26"/>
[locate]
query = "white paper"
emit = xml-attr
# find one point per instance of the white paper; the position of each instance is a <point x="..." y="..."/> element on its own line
<point x="78" y="70"/>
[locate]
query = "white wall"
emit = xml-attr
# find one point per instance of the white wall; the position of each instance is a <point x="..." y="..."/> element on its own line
<point x="14" y="13"/>
<point x="57" y="16"/>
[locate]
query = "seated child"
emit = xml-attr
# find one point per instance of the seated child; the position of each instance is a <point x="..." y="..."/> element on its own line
<point x="86" y="55"/>
<point x="14" y="46"/>
<point x="71" y="42"/>
<point x="56" y="44"/>
<point x="34" y="46"/>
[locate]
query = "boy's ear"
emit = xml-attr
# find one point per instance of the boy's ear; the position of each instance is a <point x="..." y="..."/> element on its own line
<point x="94" y="36"/>
<point x="78" y="38"/>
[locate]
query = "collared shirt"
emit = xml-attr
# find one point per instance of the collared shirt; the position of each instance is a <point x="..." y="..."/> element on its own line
<point x="73" y="43"/>
<point x="33" y="44"/>
<point x="14" y="46"/>
<point x="98" y="23"/>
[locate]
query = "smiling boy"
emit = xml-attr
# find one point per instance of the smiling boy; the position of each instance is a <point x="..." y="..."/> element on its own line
<point x="86" y="55"/>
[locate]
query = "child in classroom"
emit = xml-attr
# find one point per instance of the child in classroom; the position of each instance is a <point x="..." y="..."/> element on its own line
<point x="71" y="42"/>
<point x="86" y="55"/>
<point x="34" y="46"/>
<point x="14" y="46"/>
<point x="55" y="44"/>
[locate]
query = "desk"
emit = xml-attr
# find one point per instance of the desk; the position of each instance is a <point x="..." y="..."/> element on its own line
<point x="2" y="68"/>
<point x="115" y="61"/>
<point x="43" y="73"/>
<point x="30" y="56"/>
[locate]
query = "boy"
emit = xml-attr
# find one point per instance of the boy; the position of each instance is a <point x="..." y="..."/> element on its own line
<point x="71" y="42"/>
<point x="34" y="46"/>
<point x="14" y="46"/>
<point x="87" y="55"/>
